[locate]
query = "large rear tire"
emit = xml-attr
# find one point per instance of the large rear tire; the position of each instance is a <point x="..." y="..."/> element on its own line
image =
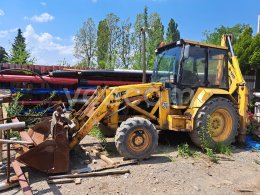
<point x="136" y="138"/>
<point x="217" y="121"/>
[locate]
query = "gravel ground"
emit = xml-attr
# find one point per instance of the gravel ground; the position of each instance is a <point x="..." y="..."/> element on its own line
<point x="164" y="173"/>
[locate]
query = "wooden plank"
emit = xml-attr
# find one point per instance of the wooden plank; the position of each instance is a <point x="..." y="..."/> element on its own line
<point x="25" y="187"/>
<point x="92" y="174"/>
<point x="60" y="181"/>
<point x="78" y="181"/>
<point x="103" y="157"/>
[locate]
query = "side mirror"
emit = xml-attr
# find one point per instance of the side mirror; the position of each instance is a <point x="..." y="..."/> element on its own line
<point x="186" y="52"/>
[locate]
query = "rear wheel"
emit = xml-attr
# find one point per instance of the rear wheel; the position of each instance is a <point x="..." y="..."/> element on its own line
<point x="216" y="122"/>
<point x="136" y="138"/>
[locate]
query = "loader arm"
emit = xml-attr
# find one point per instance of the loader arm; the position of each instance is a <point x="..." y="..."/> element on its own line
<point x="105" y="103"/>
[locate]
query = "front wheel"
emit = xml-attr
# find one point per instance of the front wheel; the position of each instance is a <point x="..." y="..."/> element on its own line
<point x="217" y="121"/>
<point x="136" y="138"/>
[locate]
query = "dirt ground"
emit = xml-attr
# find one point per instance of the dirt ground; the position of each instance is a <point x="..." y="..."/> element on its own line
<point x="164" y="173"/>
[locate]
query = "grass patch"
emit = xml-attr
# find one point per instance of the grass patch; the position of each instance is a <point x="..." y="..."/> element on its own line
<point x="15" y="134"/>
<point x="223" y="149"/>
<point x="95" y="132"/>
<point x="257" y="162"/>
<point x="205" y="145"/>
<point x="211" y="154"/>
<point x="185" y="151"/>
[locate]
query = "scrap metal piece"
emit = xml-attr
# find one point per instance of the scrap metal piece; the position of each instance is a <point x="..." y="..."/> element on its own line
<point x="50" y="156"/>
<point x="7" y="126"/>
<point x="256" y="94"/>
<point x="40" y="131"/>
<point x="83" y="170"/>
<point x="4" y="185"/>
<point x="21" y="178"/>
<point x="7" y="141"/>
<point x="88" y="169"/>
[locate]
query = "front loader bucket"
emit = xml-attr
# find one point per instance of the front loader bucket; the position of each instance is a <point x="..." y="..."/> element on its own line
<point x="48" y="154"/>
<point x="47" y="157"/>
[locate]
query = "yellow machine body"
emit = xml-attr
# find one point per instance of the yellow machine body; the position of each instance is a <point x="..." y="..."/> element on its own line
<point x="136" y="112"/>
<point x="106" y="105"/>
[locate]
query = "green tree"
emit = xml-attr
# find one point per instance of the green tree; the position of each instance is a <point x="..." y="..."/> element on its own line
<point x="173" y="33"/>
<point x="246" y="47"/>
<point x="85" y="43"/>
<point x="141" y="21"/>
<point x="136" y="41"/>
<point x="125" y="44"/>
<point x="243" y="49"/>
<point x="103" y="35"/>
<point x="113" y="28"/>
<point x="215" y="36"/>
<point x="3" y="55"/>
<point x="155" y="37"/>
<point x="19" y="54"/>
<point x="254" y="59"/>
<point x="145" y="18"/>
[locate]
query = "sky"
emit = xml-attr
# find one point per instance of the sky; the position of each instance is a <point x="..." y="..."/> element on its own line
<point x="50" y="25"/>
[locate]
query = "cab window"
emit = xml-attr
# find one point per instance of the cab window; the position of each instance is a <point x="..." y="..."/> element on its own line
<point x="193" y="73"/>
<point x="217" y="68"/>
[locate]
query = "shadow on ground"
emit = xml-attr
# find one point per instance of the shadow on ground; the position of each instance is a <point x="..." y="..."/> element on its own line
<point x="167" y="143"/>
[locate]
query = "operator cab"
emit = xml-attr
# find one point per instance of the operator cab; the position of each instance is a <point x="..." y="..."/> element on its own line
<point x="185" y="66"/>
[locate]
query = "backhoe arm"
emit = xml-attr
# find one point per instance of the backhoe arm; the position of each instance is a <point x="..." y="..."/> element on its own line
<point x="238" y="85"/>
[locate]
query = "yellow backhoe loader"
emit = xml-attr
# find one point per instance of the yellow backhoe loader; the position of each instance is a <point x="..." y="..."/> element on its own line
<point x="196" y="88"/>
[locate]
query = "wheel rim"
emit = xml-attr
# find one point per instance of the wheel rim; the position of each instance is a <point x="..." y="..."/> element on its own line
<point x="221" y="124"/>
<point x="139" y="140"/>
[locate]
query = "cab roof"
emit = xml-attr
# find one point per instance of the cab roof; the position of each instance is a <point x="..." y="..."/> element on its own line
<point x="182" y="42"/>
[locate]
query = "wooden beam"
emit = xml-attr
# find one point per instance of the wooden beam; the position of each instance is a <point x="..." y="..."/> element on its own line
<point x="94" y="174"/>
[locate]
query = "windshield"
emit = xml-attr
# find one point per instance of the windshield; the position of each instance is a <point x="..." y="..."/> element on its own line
<point x="166" y="65"/>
